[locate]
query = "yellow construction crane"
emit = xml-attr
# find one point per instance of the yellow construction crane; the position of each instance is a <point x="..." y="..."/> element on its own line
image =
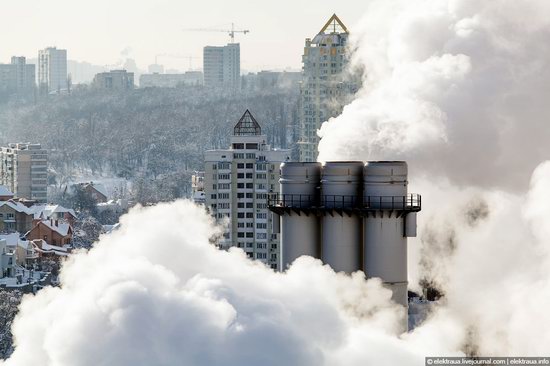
<point x="231" y="31"/>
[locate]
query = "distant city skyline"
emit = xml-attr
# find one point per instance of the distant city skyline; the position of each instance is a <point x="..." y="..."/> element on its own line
<point x="106" y="33"/>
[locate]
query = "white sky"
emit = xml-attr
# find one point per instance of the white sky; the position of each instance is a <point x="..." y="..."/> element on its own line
<point x="98" y="31"/>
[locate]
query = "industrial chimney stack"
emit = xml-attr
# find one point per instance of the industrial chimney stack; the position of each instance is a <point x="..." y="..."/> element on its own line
<point x="351" y="215"/>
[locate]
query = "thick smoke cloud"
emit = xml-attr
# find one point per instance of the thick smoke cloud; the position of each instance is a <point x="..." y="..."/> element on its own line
<point x="158" y="293"/>
<point x="457" y="88"/>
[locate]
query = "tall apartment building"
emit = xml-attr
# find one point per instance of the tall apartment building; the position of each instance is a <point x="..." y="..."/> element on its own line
<point x="237" y="182"/>
<point x="114" y="80"/>
<point x="52" y="70"/>
<point x="326" y="86"/>
<point x="222" y="66"/>
<point x="24" y="170"/>
<point x="18" y="77"/>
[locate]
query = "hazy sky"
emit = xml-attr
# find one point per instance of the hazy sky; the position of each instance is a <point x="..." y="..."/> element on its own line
<point x="101" y="31"/>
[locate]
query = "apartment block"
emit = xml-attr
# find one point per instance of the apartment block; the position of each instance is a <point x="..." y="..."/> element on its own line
<point x="24" y="170"/>
<point x="114" y="80"/>
<point x="222" y="66"/>
<point x="237" y="182"/>
<point x="18" y="77"/>
<point x="52" y="70"/>
<point x="326" y="85"/>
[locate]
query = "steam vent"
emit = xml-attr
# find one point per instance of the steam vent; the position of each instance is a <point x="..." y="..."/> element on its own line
<point x="352" y="215"/>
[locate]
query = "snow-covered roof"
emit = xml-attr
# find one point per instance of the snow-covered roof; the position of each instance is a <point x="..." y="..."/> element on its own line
<point x="4" y="191"/>
<point x="17" y="206"/>
<point x="46" y="211"/>
<point x="61" y="228"/>
<point x="11" y="239"/>
<point x="50" y="249"/>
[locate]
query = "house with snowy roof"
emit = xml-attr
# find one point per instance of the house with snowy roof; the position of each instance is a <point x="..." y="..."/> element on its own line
<point x="96" y="191"/>
<point x="55" y="212"/>
<point x="15" y="216"/>
<point x="52" y="232"/>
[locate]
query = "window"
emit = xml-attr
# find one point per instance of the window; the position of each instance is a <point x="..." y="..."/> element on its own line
<point x="240" y="195"/>
<point x="240" y="205"/>
<point x="240" y="215"/>
<point x="251" y="156"/>
<point x="224" y="206"/>
<point x="225" y="185"/>
<point x="214" y="166"/>
<point x="240" y="166"/>
<point x="249" y="235"/>
<point x="223" y="196"/>
<point x="249" y="185"/>
<point x="250" y="195"/>
<point x="261" y="196"/>
<point x="249" y="166"/>
<point x="224" y="176"/>
<point x="238" y="146"/>
<point x="261" y="215"/>
<point x="240" y="235"/>
<point x="213" y="196"/>
<point x="249" y="215"/>
<point x="240" y="185"/>
<point x="224" y="165"/>
<point x="249" y="205"/>
<point x="261" y="245"/>
<point x="260" y="186"/>
<point x="240" y="175"/>
<point x="252" y="146"/>
<point x="249" y="175"/>
<point x="261" y="225"/>
<point x="250" y="225"/>
<point x="261" y="176"/>
<point x="238" y="156"/>
<point x="261" y="235"/>
<point x="240" y="225"/>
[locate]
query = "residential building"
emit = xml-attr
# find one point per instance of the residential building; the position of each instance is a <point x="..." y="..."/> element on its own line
<point x="18" y="77"/>
<point x="326" y="85"/>
<point x="15" y="217"/>
<point x="192" y="78"/>
<point x="114" y="80"/>
<point x="52" y="70"/>
<point x="53" y="232"/>
<point x="237" y="182"/>
<point x="222" y="66"/>
<point x="95" y="190"/>
<point x="24" y="170"/>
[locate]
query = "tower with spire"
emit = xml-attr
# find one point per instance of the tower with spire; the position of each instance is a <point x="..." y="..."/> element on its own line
<point x="326" y="85"/>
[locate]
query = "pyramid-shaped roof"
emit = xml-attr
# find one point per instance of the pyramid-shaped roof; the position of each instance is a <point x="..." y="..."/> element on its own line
<point x="334" y="25"/>
<point x="247" y="126"/>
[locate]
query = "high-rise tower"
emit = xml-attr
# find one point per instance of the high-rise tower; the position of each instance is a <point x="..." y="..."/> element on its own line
<point x="236" y="184"/>
<point x="326" y="85"/>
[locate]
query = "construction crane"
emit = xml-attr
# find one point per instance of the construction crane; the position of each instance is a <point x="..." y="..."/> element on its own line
<point x="231" y="31"/>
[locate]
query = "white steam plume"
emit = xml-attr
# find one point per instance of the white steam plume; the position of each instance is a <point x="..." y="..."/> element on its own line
<point x="456" y="87"/>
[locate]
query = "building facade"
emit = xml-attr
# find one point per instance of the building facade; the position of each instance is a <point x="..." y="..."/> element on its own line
<point x="326" y="85"/>
<point x="18" y="77"/>
<point x="237" y="182"/>
<point x="222" y="66"/>
<point x="52" y="70"/>
<point x="24" y="170"/>
<point x="114" y="80"/>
